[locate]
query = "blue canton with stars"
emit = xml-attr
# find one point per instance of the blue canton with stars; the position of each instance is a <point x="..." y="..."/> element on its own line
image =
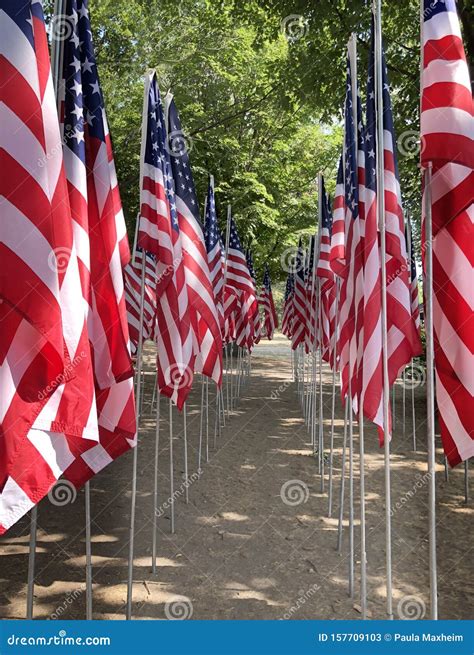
<point x="249" y="260"/>
<point x="234" y="241"/>
<point x="326" y="217"/>
<point x="290" y="286"/>
<point x="266" y="279"/>
<point x="212" y="234"/>
<point x="83" y="103"/>
<point x="178" y="150"/>
<point x="371" y="117"/>
<point x="300" y="262"/>
<point x="350" y="151"/>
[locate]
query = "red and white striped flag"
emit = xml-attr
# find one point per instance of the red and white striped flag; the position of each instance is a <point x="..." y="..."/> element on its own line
<point x="159" y="233"/>
<point x="299" y="300"/>
<point x="48" y="414"/>
<point x="288" y="307"/>
<point x="202" y="305"/>
<point x="100" y="228"/>
<point x="133" y="280"/>
<point x="447" y="136"/>
<point x="326" y="277"/>
<point x="270" y="315"/>
<point x="402" y="336"/>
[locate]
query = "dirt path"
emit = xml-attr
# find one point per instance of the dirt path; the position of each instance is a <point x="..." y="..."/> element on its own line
<point x="243" y="549"/>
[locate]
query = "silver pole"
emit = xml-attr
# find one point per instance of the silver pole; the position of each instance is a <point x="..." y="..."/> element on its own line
<point x="351" y="495"/>
<point x="133" y="500"/>
<point x="430" y="392"/>
<point x="87" y="499"/>
<point x="135" y="450"/>
<point x="217" y="420"/>
<point x="201" y="425"/>
<point x="171" y="469"/>
<point x="333" y="401"/>
<point x="31" y="562"/>
<point x="413" y="414"/>
<point x="343" y="475"/>
<point x="226" y="350"/>
<point x="404" y="414"/>
<point x="381" y="221"/>
<point x="321" y="418"/>
<point x="185" y="435"/>
<point x="446" y="469"/>
<point x="466" y="481"/>
<point x="207" y="417"/>
<point x="155" y="487"/>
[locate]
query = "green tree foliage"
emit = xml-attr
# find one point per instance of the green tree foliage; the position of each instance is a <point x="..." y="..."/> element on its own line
<point x="259" y="86"/>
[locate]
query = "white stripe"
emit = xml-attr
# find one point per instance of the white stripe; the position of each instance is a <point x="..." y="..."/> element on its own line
<point x="440" y="25"/>
<point x="456" y="429"/>
<point x="53" y="448"/>
<point x="17" y="49"/>
<point x="448" y="120"/>
<point x="441" y="70"/>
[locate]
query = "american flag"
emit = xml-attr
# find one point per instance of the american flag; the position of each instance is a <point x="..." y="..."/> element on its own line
<point x="159" y="232"/>
<point x="98" y="221"/>
<point x="447" y="135"/>
<point x="402" y="337"/>
<point x="415" y="302"/>
<point x="202" y="305"/>
<point x="288" y="307"/>
<point x="239" y="278"/>
<point x="257" y="326"/>
<point x="299" y="300"/>
<point x="213" y="240"/>
<point x="47" y="405"/>
<point x="271" y="318"/>
<point x="132" y="279"/>
<point x="311" y="306"/>
<point x="350" y="251"/>
<point x="326" y="276"/>
<point x="337" y="250"/>
<point x="231" y="311"/>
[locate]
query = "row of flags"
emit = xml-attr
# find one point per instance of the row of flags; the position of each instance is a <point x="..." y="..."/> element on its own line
<point x="70" y="293"/>
<point x="198" y="293"/>
<point x="334" y="291"/>
<point x="67" y="403"/>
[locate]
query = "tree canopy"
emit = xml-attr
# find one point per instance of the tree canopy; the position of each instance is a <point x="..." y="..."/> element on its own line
<point x="259" y="86"/>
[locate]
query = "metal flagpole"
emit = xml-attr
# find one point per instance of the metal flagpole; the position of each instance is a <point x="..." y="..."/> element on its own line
<point x="352" y="48"/>
<point x="185" y="437"/>
<point x="466" y="481"/>
<point x="226" y="350"/>
<point x="351" y="495"/>
<point x="201" y="425"/>
<point x="430" y="392"/>
<point x="404" y="413"/>
<point x="56" y="56"/>
<point x="155" y="487"/>
<point x="333" y="402"/>
<point x="133" y="501"/>
<point x="381" y="222"/>
<point x="343" y="474"/>
<point x="171" y="469"/>
<point x="413" y="414"/>
<point x="320" y="417"/>
<point x="228" y="386"/>
<point x="31" y="562"/>
<point x="217" y="420"/>
<point x="87" y="500"/>
<point x="207" y="417"/>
